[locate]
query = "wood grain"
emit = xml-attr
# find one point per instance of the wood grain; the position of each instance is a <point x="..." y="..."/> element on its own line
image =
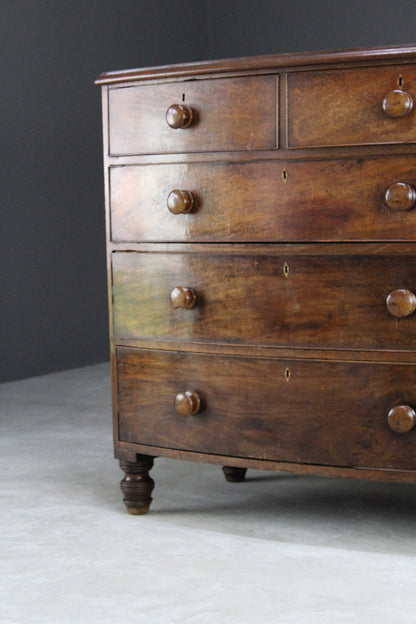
<point x="286" y="301"/>
<point x="325" y="200"/>
<point x="249" y="408"/>
<point x="344" y="107"/>
<point x="222" y="118"/>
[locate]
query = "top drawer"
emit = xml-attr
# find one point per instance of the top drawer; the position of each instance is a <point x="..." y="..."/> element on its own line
<point x="352" y="106"/>
<point x="227" y="114"/>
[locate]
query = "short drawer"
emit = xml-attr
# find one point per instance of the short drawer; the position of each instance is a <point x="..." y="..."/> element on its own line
<point x="345" y="106"/>
<point x="322" y="200"/>
<point x="295" y="411"/>
<point x="304" y="301"/>
<point x="227" y="114"/>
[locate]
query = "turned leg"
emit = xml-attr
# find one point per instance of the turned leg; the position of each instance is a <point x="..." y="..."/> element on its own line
<point x="234" y="475"/>
<point x="137" y="485"/>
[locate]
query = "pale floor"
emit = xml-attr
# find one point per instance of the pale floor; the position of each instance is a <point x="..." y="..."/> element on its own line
<point x="276" y="549"/>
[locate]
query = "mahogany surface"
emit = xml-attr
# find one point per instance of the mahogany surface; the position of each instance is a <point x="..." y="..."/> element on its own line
<point x="222" y="119"/>
<point x="300" y="301"/>
<point x="345" y="107"/>
<point x="262" y="264"/>
<point x="294" y="411"/>
<point x="342" y="199"/>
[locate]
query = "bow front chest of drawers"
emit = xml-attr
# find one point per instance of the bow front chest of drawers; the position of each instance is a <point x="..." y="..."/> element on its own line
<point x="262" y="265"/>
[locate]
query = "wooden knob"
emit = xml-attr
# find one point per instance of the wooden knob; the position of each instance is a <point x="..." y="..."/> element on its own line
<point x="183" y="297"/>
<point x="397" y="103"/>
<point x="179" y="116"/>
<point x="400" y="196"/>
<point x="401" y="418"/>
<point x="401" y="303"/>
<point x="180" y="202"/>
<point x="187" y="403"/>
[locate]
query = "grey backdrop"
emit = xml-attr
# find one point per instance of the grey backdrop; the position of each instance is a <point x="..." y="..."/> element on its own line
<point x="52" y="242"/>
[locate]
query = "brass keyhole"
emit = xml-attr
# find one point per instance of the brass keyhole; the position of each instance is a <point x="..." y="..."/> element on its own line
<point x="286" y="270"/>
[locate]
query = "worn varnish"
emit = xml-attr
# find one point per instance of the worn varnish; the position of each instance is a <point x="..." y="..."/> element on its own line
<point x="345" y="107"/>
<point x="308" y="301"/>
<point x="261" y="218"/>
<point x="319" y="200"/>
<point x="249" y="409"/>
<point x="226" y="116"/>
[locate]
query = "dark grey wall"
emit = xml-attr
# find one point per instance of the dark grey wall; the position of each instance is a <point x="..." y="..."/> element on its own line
<point x="53" y="308"/>
<point x="247" y="27"/>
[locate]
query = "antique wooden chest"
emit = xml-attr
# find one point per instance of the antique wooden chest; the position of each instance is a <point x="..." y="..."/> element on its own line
<point x="262" y="265"/>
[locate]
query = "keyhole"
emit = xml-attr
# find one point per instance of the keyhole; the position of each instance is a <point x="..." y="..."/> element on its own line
<point x="183" y="97"/>
<point x="286" y="269"/>
<point x="284" y="175"/>
<point x="287" y="374"/>
<point x="400" y="81"/>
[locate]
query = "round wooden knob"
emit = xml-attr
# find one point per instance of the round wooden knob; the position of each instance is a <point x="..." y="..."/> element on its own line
<point x="183" y="297"/>
<point x="401" y="303"/>
<point x="180" y="202"/>
<point x="397" y="103"/>
<point x="179" y="116"/>
<point x="401" y="418"/>
<point x="400" y="196"/>
<point x="187" y="403"/>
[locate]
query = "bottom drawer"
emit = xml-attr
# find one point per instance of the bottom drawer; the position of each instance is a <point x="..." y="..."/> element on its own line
<point x="302" y="411"/>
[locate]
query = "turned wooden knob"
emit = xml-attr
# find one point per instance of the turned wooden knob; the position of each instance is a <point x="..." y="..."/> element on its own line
<point x="400" y="196"/>
<point x="397" y="103"/>
<point x="179" y="116"/>
<point x="187" y="403"/>
<point x="401" y="303"/>
<point x="183" y="297"/>
<point x="180" y="202"/>
<point x="401" y="418"/>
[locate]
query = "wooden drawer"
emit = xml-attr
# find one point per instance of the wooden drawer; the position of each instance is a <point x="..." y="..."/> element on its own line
<point x="305" y="301"/>
<point x="345" y="106"/>
<point x="228" y="114"/>
<point x="324" y="200"/>
<point x="299" y="411"/>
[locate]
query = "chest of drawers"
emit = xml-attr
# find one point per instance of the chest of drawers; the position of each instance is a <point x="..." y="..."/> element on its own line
<point x="262" y="265"/>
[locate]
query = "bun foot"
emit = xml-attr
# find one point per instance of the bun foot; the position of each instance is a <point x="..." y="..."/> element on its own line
<point x="137" y="485"/>
<point x="234" y="475"/>
<point x="137" y="511"/>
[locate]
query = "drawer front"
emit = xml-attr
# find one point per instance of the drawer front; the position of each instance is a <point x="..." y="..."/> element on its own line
<point x="300" y="411"/>
<point x="328" y="200"/>
<point x="288" y="301"/>
<point x="345" y="106"/>
<point x="228" y="114"/>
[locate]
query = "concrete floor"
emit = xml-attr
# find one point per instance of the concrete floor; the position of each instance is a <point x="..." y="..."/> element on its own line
<point x="277" y="549"/>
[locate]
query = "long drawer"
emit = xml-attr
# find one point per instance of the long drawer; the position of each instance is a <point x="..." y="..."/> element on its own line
<point x="227" y="114"/>
<point x="324" y="200"/>
<point x="315" y="301"/>
<point x="295" y="411"/>
<point x="352" y="106"/>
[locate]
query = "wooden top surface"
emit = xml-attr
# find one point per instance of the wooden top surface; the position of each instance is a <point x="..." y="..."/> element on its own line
<point x="262" y="63"/>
